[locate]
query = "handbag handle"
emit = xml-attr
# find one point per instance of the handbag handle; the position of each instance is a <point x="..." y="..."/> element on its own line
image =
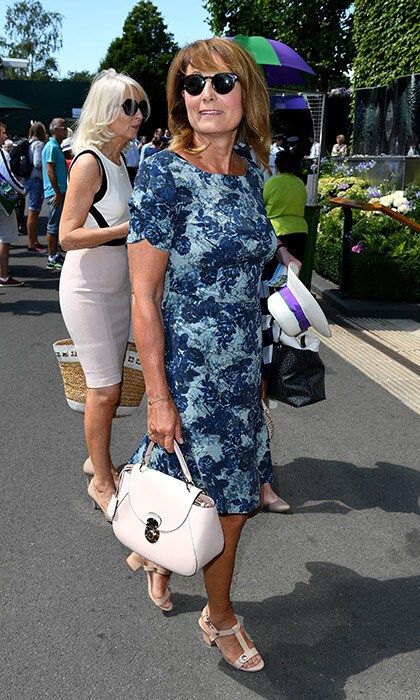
<point x="180" y="456"/>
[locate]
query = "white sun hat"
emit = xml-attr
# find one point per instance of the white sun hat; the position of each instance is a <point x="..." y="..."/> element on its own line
<point x="295" y="309"/>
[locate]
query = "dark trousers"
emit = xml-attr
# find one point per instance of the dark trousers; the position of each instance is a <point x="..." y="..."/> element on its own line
<point x="295" y="244"/>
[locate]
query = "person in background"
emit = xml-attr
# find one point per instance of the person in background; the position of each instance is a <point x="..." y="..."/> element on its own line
<point x="95" y="290"/>
<point x="339" y="148"/>
<point x="132" y="158"/>
<point x="413" y="147"/>
<point x="154" y="147"/>
<point x="156" y="135"/>
<point x="285" y="199"/>
<point x="166" y="138"/>
<point x="67" y="149"/>
<point x="34" y="185"/>
<point x="54" y="173"/>
<point x="314" y="151"/>
<point x="279" y="144"/>
<point x="8" y="222"/>
<point x="8" y="145"/>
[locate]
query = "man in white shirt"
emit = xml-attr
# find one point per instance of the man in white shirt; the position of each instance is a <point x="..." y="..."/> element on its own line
<point x="314" y="152"/>
<point x="276" y="146"/>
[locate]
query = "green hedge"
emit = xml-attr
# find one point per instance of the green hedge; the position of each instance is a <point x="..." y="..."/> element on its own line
<point x="388" y="269"/>
<point x="388" y="265"/>
<point x="387" y="40"/>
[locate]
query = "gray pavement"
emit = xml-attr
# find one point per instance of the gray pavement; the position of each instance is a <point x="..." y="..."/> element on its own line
<point x="329" y="593"/>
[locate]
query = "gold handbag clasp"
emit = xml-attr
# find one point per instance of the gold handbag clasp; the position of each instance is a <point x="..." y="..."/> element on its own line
<point x="151" y="531"/>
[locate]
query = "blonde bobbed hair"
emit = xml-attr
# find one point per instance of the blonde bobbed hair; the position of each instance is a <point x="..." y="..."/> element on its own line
<point x="101" y="108"/>
<point x="205" y="55"/>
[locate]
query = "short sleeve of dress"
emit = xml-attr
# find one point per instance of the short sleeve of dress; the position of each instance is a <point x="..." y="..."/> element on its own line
<point x="153" y="205"/>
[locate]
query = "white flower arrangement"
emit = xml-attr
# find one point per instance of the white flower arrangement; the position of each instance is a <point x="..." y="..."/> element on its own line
<point x="396" y="201"/>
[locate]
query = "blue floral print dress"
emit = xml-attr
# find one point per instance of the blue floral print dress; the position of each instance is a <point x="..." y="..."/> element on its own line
<point x="218" y="237"/>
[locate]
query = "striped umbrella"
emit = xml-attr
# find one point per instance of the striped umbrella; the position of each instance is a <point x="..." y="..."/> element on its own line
<point x="281" y="64"/>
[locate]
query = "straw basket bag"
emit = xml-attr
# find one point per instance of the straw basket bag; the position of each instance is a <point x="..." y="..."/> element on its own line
<point x="132" y="389"/>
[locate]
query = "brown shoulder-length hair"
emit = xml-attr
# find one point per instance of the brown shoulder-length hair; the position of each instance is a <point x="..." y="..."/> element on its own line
<point x="37" y="130"/>
<point x="206" y="54"/>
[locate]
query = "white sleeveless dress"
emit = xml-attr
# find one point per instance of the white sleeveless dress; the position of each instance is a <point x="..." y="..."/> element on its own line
<point x="95" y="291"/>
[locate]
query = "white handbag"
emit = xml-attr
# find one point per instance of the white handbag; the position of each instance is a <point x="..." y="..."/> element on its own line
<point x="166" y="520"/>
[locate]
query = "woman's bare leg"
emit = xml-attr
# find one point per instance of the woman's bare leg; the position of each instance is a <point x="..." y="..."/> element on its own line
<point x="100" y="410"/>
<point x="32" y="228"/>
<point x="218" y="579"/>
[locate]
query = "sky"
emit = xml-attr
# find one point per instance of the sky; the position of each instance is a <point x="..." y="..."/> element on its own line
<point x="89" y="26"/>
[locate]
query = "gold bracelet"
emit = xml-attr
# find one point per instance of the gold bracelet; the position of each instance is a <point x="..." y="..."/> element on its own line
<point x="159" y="398"/>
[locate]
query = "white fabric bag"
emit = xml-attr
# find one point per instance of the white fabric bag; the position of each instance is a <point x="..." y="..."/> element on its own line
<point x="166" y="520"/>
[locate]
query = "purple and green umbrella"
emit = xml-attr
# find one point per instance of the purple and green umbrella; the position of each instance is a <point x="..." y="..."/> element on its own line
<point x="288" y="102"/>
<point x="281" y="65"/>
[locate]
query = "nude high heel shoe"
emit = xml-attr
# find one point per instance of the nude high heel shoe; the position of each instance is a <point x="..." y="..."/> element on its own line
<point x="92" y="492"/>
<point x="88" y="471"/>
<point x="211" y="634"/>
<point x="135" y="561"/>
<point x="279" y="506"/>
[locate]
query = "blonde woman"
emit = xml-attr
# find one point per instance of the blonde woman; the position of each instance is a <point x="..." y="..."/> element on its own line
<point x="199" y="238"/>
<point x="94" y="282"/>
<point x="340" y="147"/>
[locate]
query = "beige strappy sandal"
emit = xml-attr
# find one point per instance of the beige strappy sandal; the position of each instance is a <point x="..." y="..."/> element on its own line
<point x="211" y="635"/>
<point x="135" y="561"/>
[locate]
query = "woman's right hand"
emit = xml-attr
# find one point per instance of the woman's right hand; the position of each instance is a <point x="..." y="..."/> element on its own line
<point x="286" y="258"/>
<point x="120" y="231"/>
<point x="164" y="424"/>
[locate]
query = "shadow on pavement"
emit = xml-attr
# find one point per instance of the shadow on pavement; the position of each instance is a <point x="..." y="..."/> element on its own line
<point x="36" y="277"/>
<point x="31" y="307"/>
<point x="343" y="486"/>
<point x="324" y="632"/>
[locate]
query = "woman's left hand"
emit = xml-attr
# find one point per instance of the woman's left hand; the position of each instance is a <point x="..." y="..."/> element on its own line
<point x="164" y="424"/>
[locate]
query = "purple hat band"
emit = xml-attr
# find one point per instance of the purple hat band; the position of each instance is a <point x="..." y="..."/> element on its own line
<point x="295" y="307"/>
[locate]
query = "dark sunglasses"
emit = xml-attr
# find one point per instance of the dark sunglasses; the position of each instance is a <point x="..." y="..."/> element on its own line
<point x="222" y="83"/>
<point x="131" y="106"/>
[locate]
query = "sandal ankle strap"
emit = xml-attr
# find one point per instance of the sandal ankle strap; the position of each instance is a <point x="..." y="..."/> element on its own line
<point x="215" y="633"/>
<point x="247" y="652"/>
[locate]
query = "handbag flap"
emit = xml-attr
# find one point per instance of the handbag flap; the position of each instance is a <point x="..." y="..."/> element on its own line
<point x="156" y="495"/>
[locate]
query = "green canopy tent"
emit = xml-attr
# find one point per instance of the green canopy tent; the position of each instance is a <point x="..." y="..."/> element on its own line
<point x="15" y="114"/>
<point x="7" y="103"/>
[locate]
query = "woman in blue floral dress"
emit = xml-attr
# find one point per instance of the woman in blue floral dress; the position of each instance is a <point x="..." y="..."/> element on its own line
<point x="198" y="240"/>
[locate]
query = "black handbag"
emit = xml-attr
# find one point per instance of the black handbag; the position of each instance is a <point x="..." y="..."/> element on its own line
<point x="296" y="376"/>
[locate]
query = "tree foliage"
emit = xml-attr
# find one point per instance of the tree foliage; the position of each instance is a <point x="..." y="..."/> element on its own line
<point x="387" y="40"/>
<point x="35" y="34"/>
<point x="145" y="52"/>
<point x="320" y="30"/>
<point x="80" y="76"/>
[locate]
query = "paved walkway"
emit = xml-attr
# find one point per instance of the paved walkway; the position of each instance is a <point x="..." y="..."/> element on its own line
<point x="385" y="350"/>
<point x="329" y="593"/>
